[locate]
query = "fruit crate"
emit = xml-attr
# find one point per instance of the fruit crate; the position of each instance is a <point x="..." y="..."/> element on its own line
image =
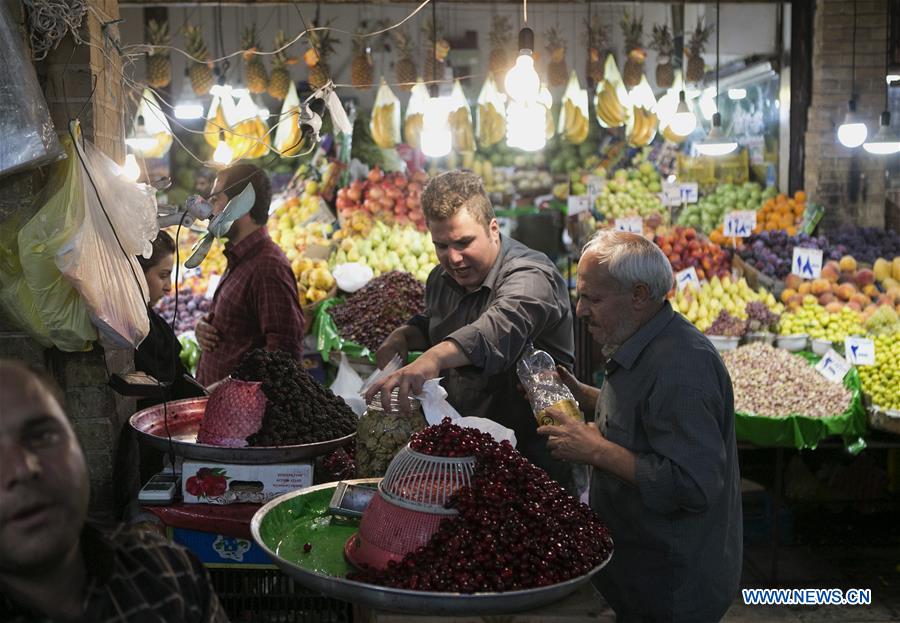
<point x="269" y="596"/>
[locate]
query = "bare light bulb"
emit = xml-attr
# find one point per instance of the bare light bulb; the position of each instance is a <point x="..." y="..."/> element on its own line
<point x="436" y="136"/>
<point x="716" y="142"/>
<point x="223" y="153"/>
<point x="522" y="82"/>
<point x="684" y="121"/>
<point x="852" y="132"/>
<point x="132" y="170"/>
<point x="526" y="125"/>
<point x="885" y="142"/>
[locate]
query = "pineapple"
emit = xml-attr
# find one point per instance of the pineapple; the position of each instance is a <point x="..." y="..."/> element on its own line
<point x="695" y="66"/>
<point x="405" y="69"/>
<point x="633" y="30"/>
<point x="254" y="71"/>
<point x="159" y="63"/>
<point x="501" y="31"/>
<point x="665" y="48"/>
<point x="316" y="57"/>
<point x="200" y="72"/>
<point x="437" y="52"/>
<point x="280" y="80"/>
<point x="597" y="42"/>
<point x="361" y="71"/>
<point x="557" y="70"/>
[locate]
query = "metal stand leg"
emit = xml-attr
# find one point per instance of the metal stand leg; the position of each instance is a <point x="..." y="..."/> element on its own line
<point x="776" y="512"/>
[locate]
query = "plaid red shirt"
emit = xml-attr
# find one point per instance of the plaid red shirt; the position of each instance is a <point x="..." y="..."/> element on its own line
<point x="255" y="306"/>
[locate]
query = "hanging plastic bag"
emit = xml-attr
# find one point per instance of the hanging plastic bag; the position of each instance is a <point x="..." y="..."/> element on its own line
<point x="460" y="120"/>
<point x="217" y="126"/>
<point x="249" y="137"/>
<point x="573" y="116"/>
<point x="151" y="134"/>
<point x="537" y="372"/>
<point x="288" y="137"/>
<point x="29" y="138"/>
<point x="347" y="384"/>
<point x="415" y="115"/>
<point x="641" y="126"/>
<point x="611" y="101"/>
<point x="666" y="108"/>
<point x="385" y="123"/>
<point x="545" y="99"/>
<point x="491" y="116"/>
<point x="99" y="258"/>
<point x="352" y="276"/>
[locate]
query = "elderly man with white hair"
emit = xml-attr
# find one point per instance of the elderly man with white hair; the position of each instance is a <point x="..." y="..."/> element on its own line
<point x="662" y="446"/>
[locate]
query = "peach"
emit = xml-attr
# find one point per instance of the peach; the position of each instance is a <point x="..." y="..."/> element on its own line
<point x="869" y="310"/>
<point x="861" y="299"/>
<point x="830" y="273"/>
<point x="820" y="286"/>
<point x="805" y="288"/>
<point x="871" y="290"/>
<point x="834" y="307"/>
<point x="825" y="298"/>
<point x="809" y="299"/>
<point x="845" y="291"/>
<point x="881" y="269"/>
<point x="787" y="293"/>
<point x="884" y="299"/>
<point x="796" y="301"/>
<point x="847" y="278"/>
<point x="793" y="282"/>
<point x="854" y="306"/>
<point x="848" y="264"/>
<point x="865" y="277"/>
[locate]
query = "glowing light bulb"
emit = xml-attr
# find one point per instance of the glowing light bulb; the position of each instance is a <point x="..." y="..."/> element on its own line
<point x="522" y="82"/>
<point x="436" y="137"/>
<point x="852" y="132"/>
<point x="737" y="94"/>
<point x="132" y="170"/>
<point x="526" y="125"/>
<point x="716" y="142"/>
<point x="684" y="121"/>
<point x="223" y="153"/>
<point x="885" y="142"/>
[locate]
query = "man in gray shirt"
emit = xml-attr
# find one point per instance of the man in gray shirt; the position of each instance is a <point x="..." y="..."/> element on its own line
<point x="663" y="447"/>
<point x="486" y="300"/>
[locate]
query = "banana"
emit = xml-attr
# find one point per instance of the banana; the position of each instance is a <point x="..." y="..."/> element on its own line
<point x="412" y="130"/>
<point x="383" y="126"/>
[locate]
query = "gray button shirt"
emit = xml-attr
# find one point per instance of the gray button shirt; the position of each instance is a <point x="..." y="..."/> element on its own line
<point x="678" y="534"/>
<point x="523" y="298"/>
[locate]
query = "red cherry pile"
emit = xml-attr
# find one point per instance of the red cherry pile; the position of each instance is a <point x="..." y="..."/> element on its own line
<point x="516" y="528"/>
<point x="448" y="439"/>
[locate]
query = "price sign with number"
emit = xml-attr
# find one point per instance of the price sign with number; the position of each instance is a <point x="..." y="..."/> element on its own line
<point x="212" y="285"/>
<point x="739" y="224"/>
<point x="595" y="185"/>
<point x="671" y="194"/>
<point x="631" y="224"/>
<point x="578" y="204"/>
<point x="860" y="351"/>
<point x="833" y="367"/>
<point x="807" y="263"/>
<point x="687" y="278"/>
<point x="689" y="192"/>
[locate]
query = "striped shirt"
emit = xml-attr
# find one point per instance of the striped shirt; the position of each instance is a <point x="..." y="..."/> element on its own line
<point x="135" y="576"/>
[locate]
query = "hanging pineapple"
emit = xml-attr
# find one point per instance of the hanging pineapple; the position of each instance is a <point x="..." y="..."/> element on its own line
<point x="159" y="63"/>
<point x="405" y="70"/>
<point x="280" y="80"/>
<point x="597" y="42"/>
<point x="633" y="30"/>
<point x="557" y="70"/>
<point x="695" y="67"/>
<point x="501" y="32"/>
<point x="316" y="57"/>
<point x="436" y="54"/>
<point x="361" y="68"/>
<point x="254" y="71"/>
<point x="200" y="73"/>
<point x="665" y="48"/>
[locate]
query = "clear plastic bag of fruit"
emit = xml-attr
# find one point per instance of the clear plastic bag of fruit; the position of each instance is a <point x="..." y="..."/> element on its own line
<point x="288" y="137"/>
<point x="611" y="102"/>
<point x="491" y="114"/>
<point x="574" y="123"/>
<point x="461" y="126"/>
<point x="385" y="123"/>
<point x="414" y="120"/>
<point x="642" y="122"/>
<point x="537" y="373"/>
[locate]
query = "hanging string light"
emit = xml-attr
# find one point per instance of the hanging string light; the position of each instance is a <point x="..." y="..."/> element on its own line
<point x="886" y="141"/>
<point x="853" y="131"/>
<point x="717" y="143"/>
<point x="436" y="136"/>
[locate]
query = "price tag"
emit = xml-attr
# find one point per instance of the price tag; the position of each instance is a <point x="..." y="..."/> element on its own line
<point x="739" y="224"/>
<point x="211" y="287"/>
<point x="595" y="185"/>
<point x="671" y="194"/>
<point x="579" y="204"/>
<point x="540" y="200"/>
<point x="807" y="263"/>
<point x="631" y="224"/>
<point x="689" y="192"/>
<point x="687" y="277"/>
<point x="860" y="351"/>
<point x="833" y="367"/>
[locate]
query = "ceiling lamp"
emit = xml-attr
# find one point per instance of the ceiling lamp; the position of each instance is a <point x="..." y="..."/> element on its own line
<point x="522" y="82"/>
<point x="224" y="153"/>
<point x="717" y="143"/>
<point x="436" y="136"/>
<point x="684" y="121"/>
<point x="188" y="106"/>
<point x="853" y="131"/>
<point x="885" y="142"/>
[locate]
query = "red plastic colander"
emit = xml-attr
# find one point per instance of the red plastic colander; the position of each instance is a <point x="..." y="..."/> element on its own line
<point x="409" y="506"/>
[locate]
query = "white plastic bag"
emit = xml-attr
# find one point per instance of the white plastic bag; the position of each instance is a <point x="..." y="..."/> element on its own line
<point x="347" y="384"/>
<point x="99" y="259"/>
<point x="352" y="276"/>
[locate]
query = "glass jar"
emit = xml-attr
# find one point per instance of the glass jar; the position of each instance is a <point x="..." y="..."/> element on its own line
<point x="380" y="434"/>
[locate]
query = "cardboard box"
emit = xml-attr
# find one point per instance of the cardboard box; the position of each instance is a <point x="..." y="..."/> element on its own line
<point x="218" y="550"/>
<point x="205" y="482"/>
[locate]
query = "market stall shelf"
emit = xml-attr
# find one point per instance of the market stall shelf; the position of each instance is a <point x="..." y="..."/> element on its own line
<point x="284" y="527"/>
<point x="174" y="426"/>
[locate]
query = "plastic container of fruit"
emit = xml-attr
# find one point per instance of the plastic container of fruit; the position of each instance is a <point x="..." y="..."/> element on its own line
<point x="724" y="342"/>
<point x="760" y="336"/>
<point x="820" y="346"/>
<point x="887" y="420"/>
<point x="793" y="343"/>
<point x="285" y="525"/>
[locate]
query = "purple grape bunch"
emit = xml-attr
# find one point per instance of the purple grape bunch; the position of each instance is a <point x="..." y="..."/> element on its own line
<point x="727" y="325"/>
<point x="760" y="317"/>
<point x="191" y="307"/>
<point x="866" y="244"/>
<point x="771" y="252"/>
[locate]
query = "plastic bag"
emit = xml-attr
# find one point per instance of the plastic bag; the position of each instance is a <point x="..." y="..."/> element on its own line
<point x="352" y="276"/>
<point x="347" y="384"/>
<point x="249" y="137"/>
<point x="414" y="120"/>
<point x="99" y="258"/>
<point x="491" y="116"/>
<point x="385" y="123"/>
<point x="461" y="120"/>
<point x="611" y="102"/>
<point x="573" y="115"/>
<point x="151" y="133"/>
<point x="666" y="108"/>
<point x="537" y="372"/>
<point x="642" y="122"/>
<point x="29" y="138"/>
<point x="287" y="132"/>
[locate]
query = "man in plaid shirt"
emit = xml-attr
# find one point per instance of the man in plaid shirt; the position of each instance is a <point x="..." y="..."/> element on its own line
<point x="256" y="304"/>
<point x="53" y="565"/>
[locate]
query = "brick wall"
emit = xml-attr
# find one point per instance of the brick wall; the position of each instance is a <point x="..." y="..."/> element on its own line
<point x="850" y="183"/>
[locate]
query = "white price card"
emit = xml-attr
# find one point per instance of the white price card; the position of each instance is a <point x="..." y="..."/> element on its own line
<point x="671" y="194"/>
<point x="213" y="284"/>
<point x="578" y="204"/>
<point x="689" y="192"/>
<point x="687" y="277"/>
<point x="739" y="224"/>
<point x="859" y="351"/>
<point x="595" y="185"/>
<point x="631" y="224"/>
<point x="807" y="263"/>
<point x="833" y="367"/>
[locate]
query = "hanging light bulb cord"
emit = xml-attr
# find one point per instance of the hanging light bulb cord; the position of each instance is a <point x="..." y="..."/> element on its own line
<point x="525" y="11"/>
<point x="718" y="30"/>
<point x="853" y="59"/>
